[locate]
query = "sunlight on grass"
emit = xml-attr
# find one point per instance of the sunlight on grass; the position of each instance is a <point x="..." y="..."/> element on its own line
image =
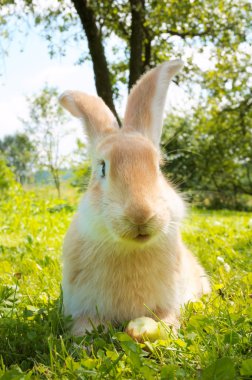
<point x="214" y="341"/>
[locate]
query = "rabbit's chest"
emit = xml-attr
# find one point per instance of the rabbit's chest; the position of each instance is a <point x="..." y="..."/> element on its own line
<point x="127" y="287"/>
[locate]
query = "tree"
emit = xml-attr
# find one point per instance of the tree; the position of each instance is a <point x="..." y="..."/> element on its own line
<point x="45" y="126"/>
<point x="19" y="153"/>
<point x="81" y="168"/>
<point x="147" y="31"/>
<point x="210" y="149"/>
<point x="210" y="153"/>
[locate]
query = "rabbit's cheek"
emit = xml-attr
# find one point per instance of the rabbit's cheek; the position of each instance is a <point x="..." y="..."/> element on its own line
<point x="170" y="205"/>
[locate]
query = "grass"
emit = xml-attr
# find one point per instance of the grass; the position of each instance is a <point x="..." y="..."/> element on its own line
<point x="214" y="341"/>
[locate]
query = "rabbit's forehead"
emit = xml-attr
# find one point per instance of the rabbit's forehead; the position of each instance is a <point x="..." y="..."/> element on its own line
<point x="130" y="157"/>
<point x="128" y="148"/>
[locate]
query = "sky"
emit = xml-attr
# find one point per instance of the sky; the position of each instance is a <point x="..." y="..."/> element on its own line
<point x="25" y="73"/>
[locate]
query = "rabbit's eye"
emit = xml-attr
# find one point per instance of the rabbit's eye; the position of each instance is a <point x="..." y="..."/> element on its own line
<point x="102" y="169"/>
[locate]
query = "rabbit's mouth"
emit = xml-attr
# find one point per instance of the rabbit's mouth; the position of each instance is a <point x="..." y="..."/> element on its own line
<point x="137" y="234"/>
<point x="142" y="237"/>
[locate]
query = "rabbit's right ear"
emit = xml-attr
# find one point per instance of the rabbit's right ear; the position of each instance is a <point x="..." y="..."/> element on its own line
<point x="92" y="110"/>
<point x="145" y="107"/>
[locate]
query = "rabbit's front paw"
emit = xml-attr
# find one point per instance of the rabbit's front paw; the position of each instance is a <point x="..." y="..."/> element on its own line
<point x="145" y="328"/>
<point x="83" y="324"/>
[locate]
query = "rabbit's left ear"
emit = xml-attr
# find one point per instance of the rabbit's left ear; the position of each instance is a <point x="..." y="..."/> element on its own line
<point x="145" y="107"/>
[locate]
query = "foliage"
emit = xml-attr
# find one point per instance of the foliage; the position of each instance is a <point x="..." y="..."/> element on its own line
<point x="81" y="175"/>
<point x="211" y="145"/>
<point x="209" y="148"/>
<point x="6" y="176"/>
<point x="20" y="155"/>
<point x="45" y="126"/>
<point x="210" y="155"/>
<point x="214" y="341"/>
<point x="145" y="32"/>
<point x="81" y="167"/>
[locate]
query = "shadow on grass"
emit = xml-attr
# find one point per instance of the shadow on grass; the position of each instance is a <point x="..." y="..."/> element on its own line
<point x="39" y="337"/>
<point x="29" y="334"/>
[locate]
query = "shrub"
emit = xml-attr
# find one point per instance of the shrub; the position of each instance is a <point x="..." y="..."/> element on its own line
<point x="7" y="178"/>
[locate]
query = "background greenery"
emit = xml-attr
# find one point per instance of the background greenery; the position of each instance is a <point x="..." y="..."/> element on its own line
<point x="208" y="143"/>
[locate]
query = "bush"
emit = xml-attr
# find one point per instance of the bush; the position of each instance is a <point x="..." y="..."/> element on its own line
<point x="81" y="176"/>
<point x="7" y="178"/>
<point x="209" y="160"/>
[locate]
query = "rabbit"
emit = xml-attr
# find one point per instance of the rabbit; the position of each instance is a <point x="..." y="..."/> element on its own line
<point x="123" y="257"/>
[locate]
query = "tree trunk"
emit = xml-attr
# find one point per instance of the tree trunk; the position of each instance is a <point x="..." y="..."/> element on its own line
<point x="56" y="179"/>
<point x="58" y="187"/>
<point x="136" y="41"/>
<point x="100" y="66"/>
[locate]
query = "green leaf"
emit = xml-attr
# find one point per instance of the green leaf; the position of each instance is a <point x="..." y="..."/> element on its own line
<point x="222" y="369"/>
<point x="123" y="337"/>
<point x="168" y="372"/>
<point x="89" y="363"/>
<point x="16" y="374"/>
<point x="148" y="373"/>
<point x="246" y="367"/>
<point x="180" y="343"/>
<point x="232" y="338"/>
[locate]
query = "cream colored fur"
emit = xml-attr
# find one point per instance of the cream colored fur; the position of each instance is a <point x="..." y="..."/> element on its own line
<point x="123" y="255"/>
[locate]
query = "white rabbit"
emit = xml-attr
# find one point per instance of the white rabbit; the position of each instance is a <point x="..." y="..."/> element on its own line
<point x="123" y="256"/>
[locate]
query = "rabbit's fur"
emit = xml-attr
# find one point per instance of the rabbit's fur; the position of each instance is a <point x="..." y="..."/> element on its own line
<point x="123" y="256"/>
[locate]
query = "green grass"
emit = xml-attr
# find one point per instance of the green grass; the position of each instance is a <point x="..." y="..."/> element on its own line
<point x="214" y="341"/>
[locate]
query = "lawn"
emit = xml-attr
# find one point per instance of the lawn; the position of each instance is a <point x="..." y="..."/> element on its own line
<point x="214" y="341"/>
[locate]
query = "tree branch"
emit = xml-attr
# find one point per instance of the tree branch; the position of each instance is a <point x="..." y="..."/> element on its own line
<point x="188" y="34"/>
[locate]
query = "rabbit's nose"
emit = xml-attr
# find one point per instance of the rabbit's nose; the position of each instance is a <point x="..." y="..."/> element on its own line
<point x="138" y="215"/>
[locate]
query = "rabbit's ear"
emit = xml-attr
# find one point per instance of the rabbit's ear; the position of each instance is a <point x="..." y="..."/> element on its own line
<point x="92" y="110"/>
<point x="145" y="107"/>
